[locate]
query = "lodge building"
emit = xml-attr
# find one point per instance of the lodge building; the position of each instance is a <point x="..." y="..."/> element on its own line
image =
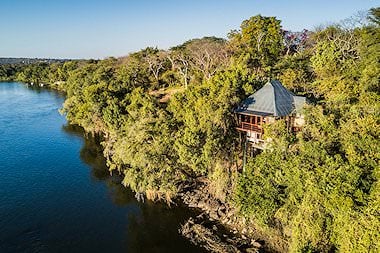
<point x="270" y="103"/>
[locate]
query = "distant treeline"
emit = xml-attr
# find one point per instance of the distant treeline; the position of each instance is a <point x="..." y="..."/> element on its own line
<point x="10" y="67"/>
<point x="29" y="60"/>
<point x="166" y="118"/>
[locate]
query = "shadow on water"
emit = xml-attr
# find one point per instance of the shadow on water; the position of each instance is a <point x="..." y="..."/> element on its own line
<point x="39" y="89"/>
<point x="151" y="226"/>
<point x="91" y="152"/>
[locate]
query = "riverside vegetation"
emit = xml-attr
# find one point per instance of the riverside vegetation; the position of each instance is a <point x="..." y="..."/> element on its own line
<point x="166" y="118"/>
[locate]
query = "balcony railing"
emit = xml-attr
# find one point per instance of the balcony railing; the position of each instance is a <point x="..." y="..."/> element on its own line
<point x="245" y="126"/>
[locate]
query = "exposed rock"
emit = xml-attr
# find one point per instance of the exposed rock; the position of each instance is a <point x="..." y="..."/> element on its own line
<point x="215" y="238"/>
<point x="206" y="238"/>
<point x="252" y="250"/>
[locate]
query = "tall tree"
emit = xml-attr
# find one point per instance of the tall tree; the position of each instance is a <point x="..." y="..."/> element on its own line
<point x="261" y="40"/>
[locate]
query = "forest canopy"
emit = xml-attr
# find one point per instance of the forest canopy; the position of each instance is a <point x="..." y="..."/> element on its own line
<point x="166" y="117"/>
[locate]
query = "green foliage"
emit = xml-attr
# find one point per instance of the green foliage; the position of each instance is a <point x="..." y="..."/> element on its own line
<point x="374" y="16"/>
<point x="222" y="181"/>
<point x="319" y="188"/>
<point x="295" y="72"/>
<point x="323" y="192"/>
<point x="205" y="120"/>
<point x="145" y="148"/>
<point x="259" y="193"/>
<point x="8" y="72"/>
<point x="260" y="38"/>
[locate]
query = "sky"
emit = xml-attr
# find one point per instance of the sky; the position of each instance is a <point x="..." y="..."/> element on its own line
<point x="102" y="28"/>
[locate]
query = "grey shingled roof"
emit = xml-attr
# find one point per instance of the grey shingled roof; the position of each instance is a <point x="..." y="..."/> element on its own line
<point x="272" y="99"/>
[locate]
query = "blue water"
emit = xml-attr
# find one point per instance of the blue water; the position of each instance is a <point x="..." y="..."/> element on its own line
<point x="56" y="194"/>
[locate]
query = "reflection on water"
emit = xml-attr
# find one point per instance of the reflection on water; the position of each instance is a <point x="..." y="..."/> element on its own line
<point x="151" y="226"/>
<point x="56" y="194"/>
<point x="90" y="152"/>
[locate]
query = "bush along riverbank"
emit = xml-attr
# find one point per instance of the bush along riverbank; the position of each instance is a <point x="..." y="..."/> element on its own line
<point x="167" y="122"/>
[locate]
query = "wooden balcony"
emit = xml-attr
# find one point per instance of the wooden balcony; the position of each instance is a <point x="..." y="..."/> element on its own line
<point x="249" y="127"/>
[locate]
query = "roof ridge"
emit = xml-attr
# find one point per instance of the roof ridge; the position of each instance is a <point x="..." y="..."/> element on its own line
<point x="280" y="90"/>
<point x="274" y="99"/>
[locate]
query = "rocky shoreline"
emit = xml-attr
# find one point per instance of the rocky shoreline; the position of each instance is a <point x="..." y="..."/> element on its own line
<point x="219" y="228"/>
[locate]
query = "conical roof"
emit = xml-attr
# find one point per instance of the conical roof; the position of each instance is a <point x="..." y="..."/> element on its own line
<point x="272" y="99"/>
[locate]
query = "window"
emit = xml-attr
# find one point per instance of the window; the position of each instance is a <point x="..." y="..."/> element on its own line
<point x="258" y="120"/>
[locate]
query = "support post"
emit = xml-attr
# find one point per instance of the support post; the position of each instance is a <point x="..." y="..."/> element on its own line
<point x="245" y="154"/>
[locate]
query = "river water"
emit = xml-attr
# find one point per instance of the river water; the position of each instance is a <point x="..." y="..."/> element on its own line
<point x="56" y="194"/>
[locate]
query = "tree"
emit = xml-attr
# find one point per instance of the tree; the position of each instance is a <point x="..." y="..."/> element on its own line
<point x="143" y="151"/>
<point x="374" y="16"/>
<point x="157" y="62"/>
<point x="295" y="41"/>
<point x="208" y="55"/>
<point x="261" y="39"/>
<point x="204" y="115"/>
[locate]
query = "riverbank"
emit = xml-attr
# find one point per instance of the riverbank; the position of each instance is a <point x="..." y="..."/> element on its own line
<point x="57" y="193"/>
<point x="219" y="227"/>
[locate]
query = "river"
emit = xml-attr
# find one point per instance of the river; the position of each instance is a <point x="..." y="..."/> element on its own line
<point x="56" y="194"/>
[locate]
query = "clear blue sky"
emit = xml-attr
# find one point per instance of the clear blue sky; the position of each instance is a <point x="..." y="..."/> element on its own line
<point x="101" y="28"/>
